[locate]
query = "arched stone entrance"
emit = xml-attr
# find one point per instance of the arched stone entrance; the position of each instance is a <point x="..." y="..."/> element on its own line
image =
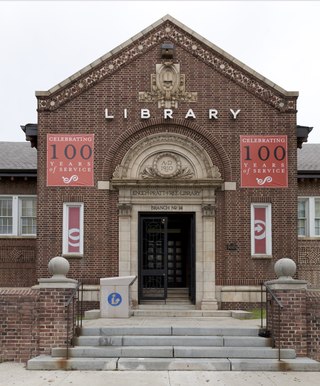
<point x="162" y="176"/>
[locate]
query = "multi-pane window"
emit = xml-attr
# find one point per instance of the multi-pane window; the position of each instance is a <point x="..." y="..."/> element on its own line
<point x="18" y="216"/>
<point x="309" y="216"/>
<point x="28" y="219"/>
<point x="6" y="216"/>
<point x="302" y="217"/>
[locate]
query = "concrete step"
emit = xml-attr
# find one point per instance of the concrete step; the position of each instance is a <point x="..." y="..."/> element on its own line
<point x="217" y="364"/>
<point x="173" y="351"/>
<point x="165" y="364"/>
<point x="167" y="312"/>
<point x="131" y="340"/>
<point x="168" y="306"/>
<point x="175" y="310"/>
<point x="168" y="330"/>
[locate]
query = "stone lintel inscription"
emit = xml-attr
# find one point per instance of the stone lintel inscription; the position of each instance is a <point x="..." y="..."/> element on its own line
<point x="166" y="208"/>
<point x="166" y="193"/>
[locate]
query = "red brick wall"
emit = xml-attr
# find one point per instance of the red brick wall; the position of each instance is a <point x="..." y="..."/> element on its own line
<point x="18" y="254"/>
<point x="220" y="138"/>
<point x="313" y="320"/>
<point x="293" y="320"/>
<point x="33" y="321"/>
<point x="17" y="262"/>
<point x="19" y="322"/>
<point x="53" y="319"/>
<point x="308" y="264"/>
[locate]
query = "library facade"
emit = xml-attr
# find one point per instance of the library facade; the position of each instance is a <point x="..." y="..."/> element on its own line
<point x="169" y="160"/>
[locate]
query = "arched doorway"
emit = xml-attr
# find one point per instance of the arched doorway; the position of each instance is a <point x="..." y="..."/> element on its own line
<point x="167" y="185"/>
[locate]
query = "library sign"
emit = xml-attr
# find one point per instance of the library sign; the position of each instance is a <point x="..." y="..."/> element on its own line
<point x="264" y="161"/>
<point x="70" y="159"/>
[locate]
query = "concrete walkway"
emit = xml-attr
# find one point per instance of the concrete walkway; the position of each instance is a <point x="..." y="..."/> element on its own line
<point x="15" y="374"/>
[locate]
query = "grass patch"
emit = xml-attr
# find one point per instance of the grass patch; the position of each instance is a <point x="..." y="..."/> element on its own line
<point x="256" y="313"/>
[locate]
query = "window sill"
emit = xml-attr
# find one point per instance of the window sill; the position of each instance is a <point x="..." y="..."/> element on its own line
<point x="72" y="256"/>
<point x="264" y="257"/>
<point x="307" y="238"/>
<point x="17" y="237"/>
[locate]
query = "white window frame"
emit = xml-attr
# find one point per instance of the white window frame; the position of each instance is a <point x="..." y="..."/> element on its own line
<point x="310" y="216"/>
<point x="16" y="215"/>
<point x="268" y="230"/>
<point x="66" y="206"/>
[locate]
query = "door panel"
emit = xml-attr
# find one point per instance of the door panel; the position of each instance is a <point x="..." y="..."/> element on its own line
<point x="166" y="254"/>
<point x="153" y="258"/>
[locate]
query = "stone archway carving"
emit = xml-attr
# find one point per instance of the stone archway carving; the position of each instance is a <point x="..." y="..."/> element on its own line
<point x="167" y="156"/>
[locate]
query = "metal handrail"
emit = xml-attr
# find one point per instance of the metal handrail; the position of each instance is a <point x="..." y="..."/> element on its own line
<point x="76" y="300"/>
<point x="76" y="297"/>
<point x="280" y="307"/>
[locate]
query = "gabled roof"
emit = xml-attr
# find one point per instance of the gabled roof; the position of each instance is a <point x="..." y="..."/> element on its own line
<point x="17" y="158"/>
<point x="309" y="160"/>
<point x="167" y="29"/>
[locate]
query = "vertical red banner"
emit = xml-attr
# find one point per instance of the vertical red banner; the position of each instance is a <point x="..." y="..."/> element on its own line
<point x="74" y="235"/>
<point x="260" y="231"/>
<point x="264" y="161"/>
<point x="70" y="159"/>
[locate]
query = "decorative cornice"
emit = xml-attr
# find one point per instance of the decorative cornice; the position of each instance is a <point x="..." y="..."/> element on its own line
<point x="185" y="38"/>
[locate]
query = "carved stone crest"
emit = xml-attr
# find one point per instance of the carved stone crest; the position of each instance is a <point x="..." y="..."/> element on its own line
<point x="167" y="87"/>
<point x="208" y="210"/>
<point x="167" y="165"/>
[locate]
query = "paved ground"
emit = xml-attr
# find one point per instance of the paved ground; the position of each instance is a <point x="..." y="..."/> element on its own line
<point x="16" y="374"/>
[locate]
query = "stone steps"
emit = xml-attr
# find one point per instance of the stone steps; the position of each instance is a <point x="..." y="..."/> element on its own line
<point x="172" y="348"/>
<point x="172" y="364"/>
<point x="203" y="341"/>
<point x="173" y="352"/>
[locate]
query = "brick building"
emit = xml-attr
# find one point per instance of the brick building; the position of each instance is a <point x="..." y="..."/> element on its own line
<point x="169" y="159"/>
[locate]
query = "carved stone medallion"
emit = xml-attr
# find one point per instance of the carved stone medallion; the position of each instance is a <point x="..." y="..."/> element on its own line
<point x="167" y="165"/>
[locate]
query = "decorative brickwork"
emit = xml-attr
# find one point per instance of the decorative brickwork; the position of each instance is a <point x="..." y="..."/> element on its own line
<point x="17" y="262"/>
<point x="17" y="254"/>
<point x="110" y="64"/>
<point x="308" y="262"/>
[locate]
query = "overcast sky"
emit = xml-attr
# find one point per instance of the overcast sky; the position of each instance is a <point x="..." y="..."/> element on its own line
<point x="44" y="42"/>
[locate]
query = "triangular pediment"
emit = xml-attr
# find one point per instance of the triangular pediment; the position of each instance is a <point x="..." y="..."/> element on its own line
<point x="166" y="29"/>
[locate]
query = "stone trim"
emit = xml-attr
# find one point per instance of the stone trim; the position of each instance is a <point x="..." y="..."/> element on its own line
<point x="167" y="28"/>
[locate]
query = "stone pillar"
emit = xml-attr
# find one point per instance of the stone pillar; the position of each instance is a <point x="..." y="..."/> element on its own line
<point x="209" y="301"/>
<point x="53" y="313"/>
<point x="293" y="296"/>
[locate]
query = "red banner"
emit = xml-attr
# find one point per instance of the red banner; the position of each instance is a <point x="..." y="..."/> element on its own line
<point x="74" y="229"/>
<point x="70" y="159"/>
<point x="264" y="161"/>
<point x="260" y="241"/>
